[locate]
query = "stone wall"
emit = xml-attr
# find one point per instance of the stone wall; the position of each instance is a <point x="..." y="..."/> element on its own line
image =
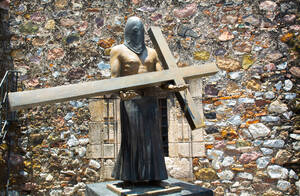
<point x="252" y="141"/>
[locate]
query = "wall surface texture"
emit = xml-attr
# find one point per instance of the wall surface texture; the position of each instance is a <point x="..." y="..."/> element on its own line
<point x="251" y="105"/>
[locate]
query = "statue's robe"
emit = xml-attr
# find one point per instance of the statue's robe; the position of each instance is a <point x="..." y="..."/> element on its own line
<point x="141" y="156"/>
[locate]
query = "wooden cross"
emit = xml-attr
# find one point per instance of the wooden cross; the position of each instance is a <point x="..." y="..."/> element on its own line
<point x="25" y="99"/>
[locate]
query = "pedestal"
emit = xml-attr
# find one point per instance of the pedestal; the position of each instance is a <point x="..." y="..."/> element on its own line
<point x="100" y="189"/>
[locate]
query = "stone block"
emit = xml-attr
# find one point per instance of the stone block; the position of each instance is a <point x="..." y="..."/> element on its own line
<point x="96" y="110"/>
<point x="173" y="132"/>
<point x="184" y="149"/>
<point x="197" y="135"/>
<point x="94" y="151"/>
<point x="186" y="131"/>
<point x="198" y="149"/>
<point x="95" y="132"/>
<point x="108" y="151"/>
<point x="106" y="172"/>
<point x="173" y="149"/>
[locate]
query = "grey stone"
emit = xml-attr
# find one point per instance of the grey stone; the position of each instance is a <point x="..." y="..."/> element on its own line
<point x="278" y="85"/>
<point x="73" y="141"/>
<point x="293" y="175"/>
<point x="263" y="162"/>
<point x="266" y="151"/>
<point x="276" y="143"/>
<point x="290" y="96"/>
<point x="259" y="130"/>
<point x="295" y="136"/>
<point x="277" y="172"/>
<point x="283" y="185"/>
<point x="270" y="118"/>
<point x="296" y="145"/>
<point x="257" y="142"/>
<point x="235" y="120"/>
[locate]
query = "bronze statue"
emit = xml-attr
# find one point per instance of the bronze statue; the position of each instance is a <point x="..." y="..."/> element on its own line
<point x="141" y="155"/>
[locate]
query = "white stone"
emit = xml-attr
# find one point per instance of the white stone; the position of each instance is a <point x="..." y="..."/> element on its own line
<point x="277" y="172"/>
<point x="278" y="107"/>
<point x="246" y="100"/>
<point x="283" y="185"/>
<point x="268" y="6"/>
<point x="245" y="175"/>
<point x="263" y="162"/>
<point x="69" y="172"/>
<point x="266" y="151"/>
<point x="226" y="175"/>
<point x="282" y="66"/>
<point x="69" y="191"/>
<point x="293" y="175"/>
<point x="295" y="136"/>
<point x="49" y="178"/>
<point x="216" y="164"/>
<point x="227" y="161"/>
<point x="178" y="168"/>
<point x="215" y="154"/>
<point x="55" y="193"/>
<point x="273" y="143"/>
<point x="81" y="151"/>
<point x="83" y="141"/>
<point x="94" y="164"/>
<point x="288" y="85"/>
<point x="73" y="141"/>
<point x="259" y="130"/>
<point x="269" y="95"/>
<point x="235" y="75"/>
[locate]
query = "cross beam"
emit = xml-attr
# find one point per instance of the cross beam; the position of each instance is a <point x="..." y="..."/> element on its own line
<point x="25" y="99"/>
<point x="188" y="106"/>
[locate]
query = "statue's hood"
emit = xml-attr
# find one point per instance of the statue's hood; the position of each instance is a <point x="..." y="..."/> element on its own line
<point x="134" y="35"/>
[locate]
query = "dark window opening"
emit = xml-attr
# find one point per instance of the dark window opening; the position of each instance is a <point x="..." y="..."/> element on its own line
<point x="164" y="125"/>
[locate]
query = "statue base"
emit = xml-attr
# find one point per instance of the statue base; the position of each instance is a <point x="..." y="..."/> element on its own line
<point x="171" y="187"/>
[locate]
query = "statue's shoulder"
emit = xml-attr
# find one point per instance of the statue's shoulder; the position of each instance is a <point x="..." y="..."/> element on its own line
<point x="151" y="50"/>
<point x="118" y="49"/>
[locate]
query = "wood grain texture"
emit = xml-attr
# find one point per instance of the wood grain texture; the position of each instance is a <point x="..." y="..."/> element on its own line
<point x="25" y="99"/>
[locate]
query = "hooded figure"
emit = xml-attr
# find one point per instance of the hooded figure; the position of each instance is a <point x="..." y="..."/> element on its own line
<point x="134" y="35"/>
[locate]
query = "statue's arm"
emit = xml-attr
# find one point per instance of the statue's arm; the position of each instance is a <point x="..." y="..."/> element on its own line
<point x="115" y="64"/>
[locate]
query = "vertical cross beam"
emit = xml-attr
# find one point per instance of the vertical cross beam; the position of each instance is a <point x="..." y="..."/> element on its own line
<point x="193" y="114"/>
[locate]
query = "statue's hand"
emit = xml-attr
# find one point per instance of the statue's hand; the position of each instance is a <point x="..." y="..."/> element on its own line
<point x="126" y="95"/>
<point x="175" y="88"/>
